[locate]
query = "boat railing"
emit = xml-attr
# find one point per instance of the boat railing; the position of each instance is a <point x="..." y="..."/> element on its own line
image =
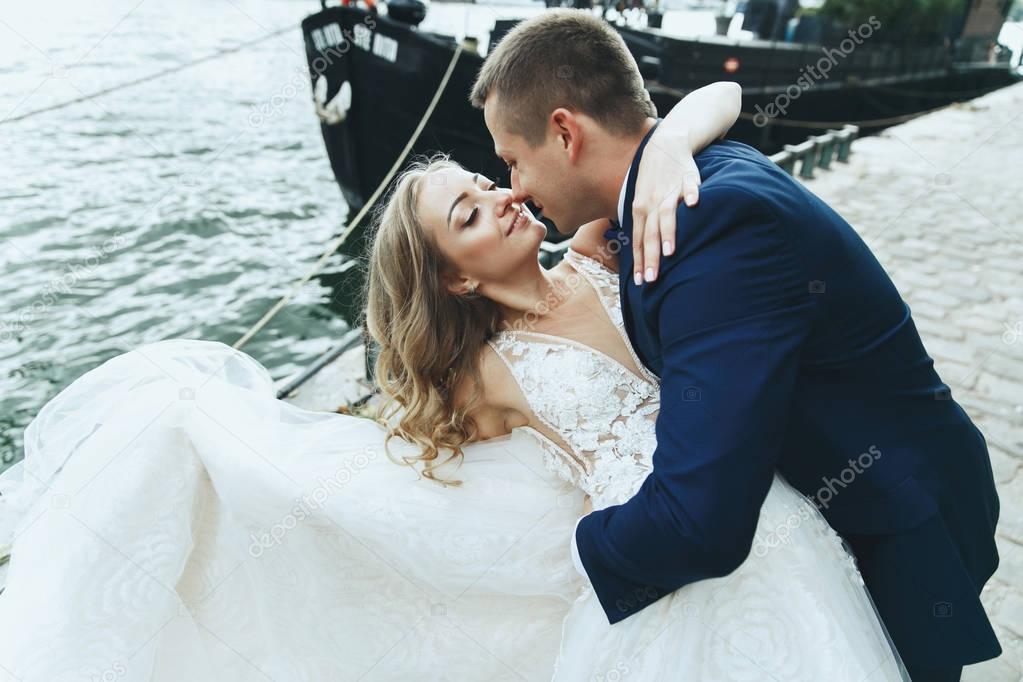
<point x="776" y="67"/>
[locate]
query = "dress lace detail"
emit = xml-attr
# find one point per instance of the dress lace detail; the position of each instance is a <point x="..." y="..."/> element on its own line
<point x="610" y="442"/>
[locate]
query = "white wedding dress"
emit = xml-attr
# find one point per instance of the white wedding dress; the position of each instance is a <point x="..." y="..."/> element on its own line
<point x="173" y="521"/>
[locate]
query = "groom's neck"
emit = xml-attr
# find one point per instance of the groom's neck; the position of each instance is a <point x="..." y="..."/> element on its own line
<point x="615" y="159"/>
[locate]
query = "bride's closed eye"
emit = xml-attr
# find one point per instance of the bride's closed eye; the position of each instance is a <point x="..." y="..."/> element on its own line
<point x="476" y="208"/>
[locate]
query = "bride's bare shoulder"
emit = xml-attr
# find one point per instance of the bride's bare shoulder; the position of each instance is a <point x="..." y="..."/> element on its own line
<point x="589" y="240"/>
<point x="501" y="406"/>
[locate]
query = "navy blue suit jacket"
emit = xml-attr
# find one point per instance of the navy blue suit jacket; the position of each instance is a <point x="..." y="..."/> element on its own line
<point x="782" y="345"/>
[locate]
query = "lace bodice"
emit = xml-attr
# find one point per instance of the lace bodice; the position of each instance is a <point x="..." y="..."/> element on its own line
<point x="602" y="411"/>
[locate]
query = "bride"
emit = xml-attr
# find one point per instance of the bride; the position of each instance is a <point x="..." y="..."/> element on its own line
<point x="171" y="520"/>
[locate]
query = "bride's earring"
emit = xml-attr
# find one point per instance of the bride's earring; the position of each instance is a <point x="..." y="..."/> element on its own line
<point x="472" y="292"/>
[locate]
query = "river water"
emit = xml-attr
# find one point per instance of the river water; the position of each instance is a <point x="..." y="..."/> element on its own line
<point x="182" y="207"/>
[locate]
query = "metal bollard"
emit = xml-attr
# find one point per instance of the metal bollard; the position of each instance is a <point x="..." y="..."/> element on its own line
<point x="806" y="153"/>
<point x="826" y="145"/>
<point x="786" y="161"/>
<point x="845" y="137"/>
<point x="817" y="151"/>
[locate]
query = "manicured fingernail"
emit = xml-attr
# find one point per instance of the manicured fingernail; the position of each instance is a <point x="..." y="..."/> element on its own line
<point x="638" y="278"/>
<point x="650" y="274"/>
<point x="666" y="248"/>
<point x="690" y="200"/>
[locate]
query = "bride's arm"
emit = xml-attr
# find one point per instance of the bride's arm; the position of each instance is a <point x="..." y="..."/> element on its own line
<point x="501" y="405"/>
<point x="668" y="173"/>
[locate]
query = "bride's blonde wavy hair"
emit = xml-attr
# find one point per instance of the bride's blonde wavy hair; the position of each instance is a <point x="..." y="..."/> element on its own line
<point x="429" y="338"/>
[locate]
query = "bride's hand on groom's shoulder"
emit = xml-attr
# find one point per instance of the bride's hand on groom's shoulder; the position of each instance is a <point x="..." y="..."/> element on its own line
<point x="587" y="505"/>
<point x="667" y="176"/>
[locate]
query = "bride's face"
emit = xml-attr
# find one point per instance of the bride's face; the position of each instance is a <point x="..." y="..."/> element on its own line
<point x="487" y="236"/>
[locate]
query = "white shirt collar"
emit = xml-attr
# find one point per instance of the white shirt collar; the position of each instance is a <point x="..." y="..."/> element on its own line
<point x="621" y="197"/>
<point x="625" y="184"/>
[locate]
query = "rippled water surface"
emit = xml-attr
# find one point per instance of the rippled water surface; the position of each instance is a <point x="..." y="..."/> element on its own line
<point x="169" y="209"/>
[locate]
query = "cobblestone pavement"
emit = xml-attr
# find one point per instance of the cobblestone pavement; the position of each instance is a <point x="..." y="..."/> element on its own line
<point x="938" y="200"/>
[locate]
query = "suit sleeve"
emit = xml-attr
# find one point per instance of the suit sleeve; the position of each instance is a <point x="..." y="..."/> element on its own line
<point x="576" y="561"/>
<point x="731" y="313"/>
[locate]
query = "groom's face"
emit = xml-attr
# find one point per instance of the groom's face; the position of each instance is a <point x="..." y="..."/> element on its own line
<point x="539" y="174"/>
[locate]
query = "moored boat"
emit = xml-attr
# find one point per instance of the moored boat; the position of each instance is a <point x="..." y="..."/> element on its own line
<point x="373" y="76"/>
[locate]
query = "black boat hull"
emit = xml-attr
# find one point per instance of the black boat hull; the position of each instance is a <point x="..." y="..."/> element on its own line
<point x="388" y="99"/>
<point x="393" y="71"/>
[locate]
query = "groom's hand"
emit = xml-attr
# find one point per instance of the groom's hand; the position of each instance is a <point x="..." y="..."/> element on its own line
<point x="667" y="175"/>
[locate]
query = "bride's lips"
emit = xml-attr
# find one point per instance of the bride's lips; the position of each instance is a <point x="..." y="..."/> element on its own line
<point x="518" y="221"/>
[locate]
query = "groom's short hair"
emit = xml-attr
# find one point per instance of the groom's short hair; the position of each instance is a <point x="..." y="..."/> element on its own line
<point x="563" y="58"/>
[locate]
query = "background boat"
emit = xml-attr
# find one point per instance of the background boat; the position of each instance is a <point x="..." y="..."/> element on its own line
<point x="373" y="76"/>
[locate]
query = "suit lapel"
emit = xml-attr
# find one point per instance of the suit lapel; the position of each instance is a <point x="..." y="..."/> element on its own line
<point x="626" y="287"/>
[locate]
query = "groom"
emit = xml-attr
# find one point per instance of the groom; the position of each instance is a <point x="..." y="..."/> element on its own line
<point x="781" y="345"/>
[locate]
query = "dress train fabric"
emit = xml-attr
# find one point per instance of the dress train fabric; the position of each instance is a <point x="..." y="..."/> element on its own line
<point x="173" y="521"/>
<point x="818" y="623"/>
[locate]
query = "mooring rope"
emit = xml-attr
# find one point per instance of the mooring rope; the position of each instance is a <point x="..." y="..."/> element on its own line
<point x="146" y="79"/>
<point x="336" y="244"/>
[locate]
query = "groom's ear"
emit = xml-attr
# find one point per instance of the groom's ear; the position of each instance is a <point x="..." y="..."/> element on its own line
<point x="565" y="125"/>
